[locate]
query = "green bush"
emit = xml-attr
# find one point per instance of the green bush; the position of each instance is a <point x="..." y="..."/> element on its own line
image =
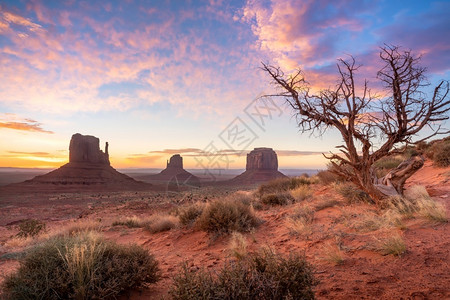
<point x="280" y="198"/>
<point x="80" y="267"/>
<point x="282" y="185"/>
<point x="225" y="216"/>
<point x="262" y="276"/>
<point x="30" y="227"/>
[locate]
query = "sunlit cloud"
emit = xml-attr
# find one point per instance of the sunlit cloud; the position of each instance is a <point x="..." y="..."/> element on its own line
<point x="12" y="121"/>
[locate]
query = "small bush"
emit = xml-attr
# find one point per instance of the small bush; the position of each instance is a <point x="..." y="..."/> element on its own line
<point x="80" y="267"/>
<point x="333" y="254"/>
<point x="160" y="223"/>
<point x="261" y="276"/>
<point x="225" y="216"/>
<point x="280" y="198"/>
<point x="189" y="214"/>
<point x="30" y="228"/>
<point x="301" y="193"/>
<point x="441" y="157"/>
<point x="282" y="185"/>
<point x="327" y="177"/>
<point x="385" y="164"/>
<point x="351" y="193"/>
<point x="300" y="221"/>
<point x="325" y="203"/>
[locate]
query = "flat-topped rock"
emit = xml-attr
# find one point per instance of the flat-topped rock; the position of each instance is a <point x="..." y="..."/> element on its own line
<point x="262" y="165"/>
<point x="86" y="149"/>
<point x="262" y="159"/>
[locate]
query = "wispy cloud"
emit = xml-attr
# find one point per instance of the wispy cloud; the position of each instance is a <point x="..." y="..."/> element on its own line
<point x="30" y="153"/>
<point x="12" y="121"/>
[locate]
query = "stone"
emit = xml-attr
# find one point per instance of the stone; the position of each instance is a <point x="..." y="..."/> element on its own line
<point x="175" y="162"/>
<point x="86" y="149"/>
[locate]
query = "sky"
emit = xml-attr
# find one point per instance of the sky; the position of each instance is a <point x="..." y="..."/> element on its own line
<point x="155" y="78"/>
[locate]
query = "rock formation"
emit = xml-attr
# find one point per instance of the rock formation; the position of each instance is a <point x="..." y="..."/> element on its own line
<point x="174" y="176"/>
<point x="262" y="165"/>
<point x="88" y="168"/>
<point x="85" y="149"/>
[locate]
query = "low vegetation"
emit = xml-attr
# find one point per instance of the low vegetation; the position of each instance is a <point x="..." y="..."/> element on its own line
<point x="83" y="266"/>
<point x="333" y="254"/>
<point x="265" y="275"/>
<point x="392" y="245"/>
<point x="238" y="245"/>
<point x="189" y="214"/>
<point x="30" y="228"/>
<point x="159" y="223"/>
<point x="351" y="193"/>
<point x="283" y="185"/>
<point x="280" y="198"/>
<point x="299" y="223"/>
<point x="225" y="216"/>
<point x="439" y="152"/>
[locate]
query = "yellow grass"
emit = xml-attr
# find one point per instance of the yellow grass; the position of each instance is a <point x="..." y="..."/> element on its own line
<point x="238" y="245"/>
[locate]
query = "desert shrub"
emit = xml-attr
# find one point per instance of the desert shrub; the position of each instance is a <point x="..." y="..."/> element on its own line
<point x="159" y="223"/>
<point x="327" y="177"/>
<point x="261" y="276"/>
<point x="189" y="214"/>
<point x="30" y="228"/>
<point x="224" y="216"/>
<point x="282" y="185"/>
<point x="333" y="254"/>
<point x="300" y="221"/>
<point x="325" y="203"/>
<point x="394" y="245"/>
<point x="280" y="198"/>
<point x="80" y="267"/>
<point x="441" y="157"/>
<point x="238" y="245"/>
<point x="351" y="193"/>
<point x="131" y="222"/>
<point x="301" y="193"/>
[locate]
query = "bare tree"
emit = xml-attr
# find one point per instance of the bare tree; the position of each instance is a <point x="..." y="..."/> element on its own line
<point x="371" y="126"/>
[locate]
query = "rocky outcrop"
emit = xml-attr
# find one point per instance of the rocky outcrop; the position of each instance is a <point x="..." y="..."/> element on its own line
<point x="174" y="176"/>
<point x="262" y="165"/>
<point x="86" y="149"/>
<point x="88" y="168"/>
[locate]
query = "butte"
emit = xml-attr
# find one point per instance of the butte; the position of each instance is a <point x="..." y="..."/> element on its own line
<point x="88" y="169"/>
<point x="262" y="165"/>
<point x="174" y="176"/>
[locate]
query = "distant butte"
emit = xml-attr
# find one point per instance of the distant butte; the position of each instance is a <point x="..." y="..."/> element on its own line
<point x="174" y="175"/>
<point x="88" y="168"/>
<point x="262" y="165"/>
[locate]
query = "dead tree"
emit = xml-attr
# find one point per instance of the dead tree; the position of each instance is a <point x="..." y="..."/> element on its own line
<point x="371" y="126"/>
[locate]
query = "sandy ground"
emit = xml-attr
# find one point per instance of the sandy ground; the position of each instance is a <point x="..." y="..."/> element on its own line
<point x="423" y="272"/>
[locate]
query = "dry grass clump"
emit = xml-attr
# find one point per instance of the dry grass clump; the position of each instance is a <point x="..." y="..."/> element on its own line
<point x="301" y="193"/>
<point x="266" y="275"/>
<point x="280" y="198"/>
<point x="225" y="216"/>
<point x="373" y="221"/>
<point x="300" y="221"/>
<point x="333" y="254"/>
<point x="238" y="245"/>
<point x="351" y="193"/>
<point x="83" y="266"/>
<point x="159" y="223"/>
<point x="385" y="164"/>
<point x="283" y="185"/>
<point x="189" y="214"/>
<point x="418" y="202"/>
<point x="130" y="222"/>
<point x="392" y="245"/>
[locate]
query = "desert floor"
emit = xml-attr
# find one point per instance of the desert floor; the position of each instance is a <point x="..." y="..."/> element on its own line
<point x="422" y="272"/>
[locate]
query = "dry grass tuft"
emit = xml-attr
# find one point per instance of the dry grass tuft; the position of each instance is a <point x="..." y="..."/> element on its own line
<point x="238" y="245"/>
<point x="159" y="223"/>
<point x="325" y="203"/>
<point x="299" y="223"/>
<point x="333" y="254"/>
<point x="392" y="245"/>
<point x="189" y="214"/>
<point x="130" y="222"/>
<point x="301" y="193"/>
<point x="351" y="193"/>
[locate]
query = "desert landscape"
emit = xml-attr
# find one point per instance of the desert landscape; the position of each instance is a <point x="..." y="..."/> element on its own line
<point x="211" y="149"/>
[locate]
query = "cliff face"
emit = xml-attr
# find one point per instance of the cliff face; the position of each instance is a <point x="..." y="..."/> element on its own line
<point x="262" y="159"/>
<point x="175" y="162"/>
<point x="86" y="149"/>
<point x="262" y="165"/>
